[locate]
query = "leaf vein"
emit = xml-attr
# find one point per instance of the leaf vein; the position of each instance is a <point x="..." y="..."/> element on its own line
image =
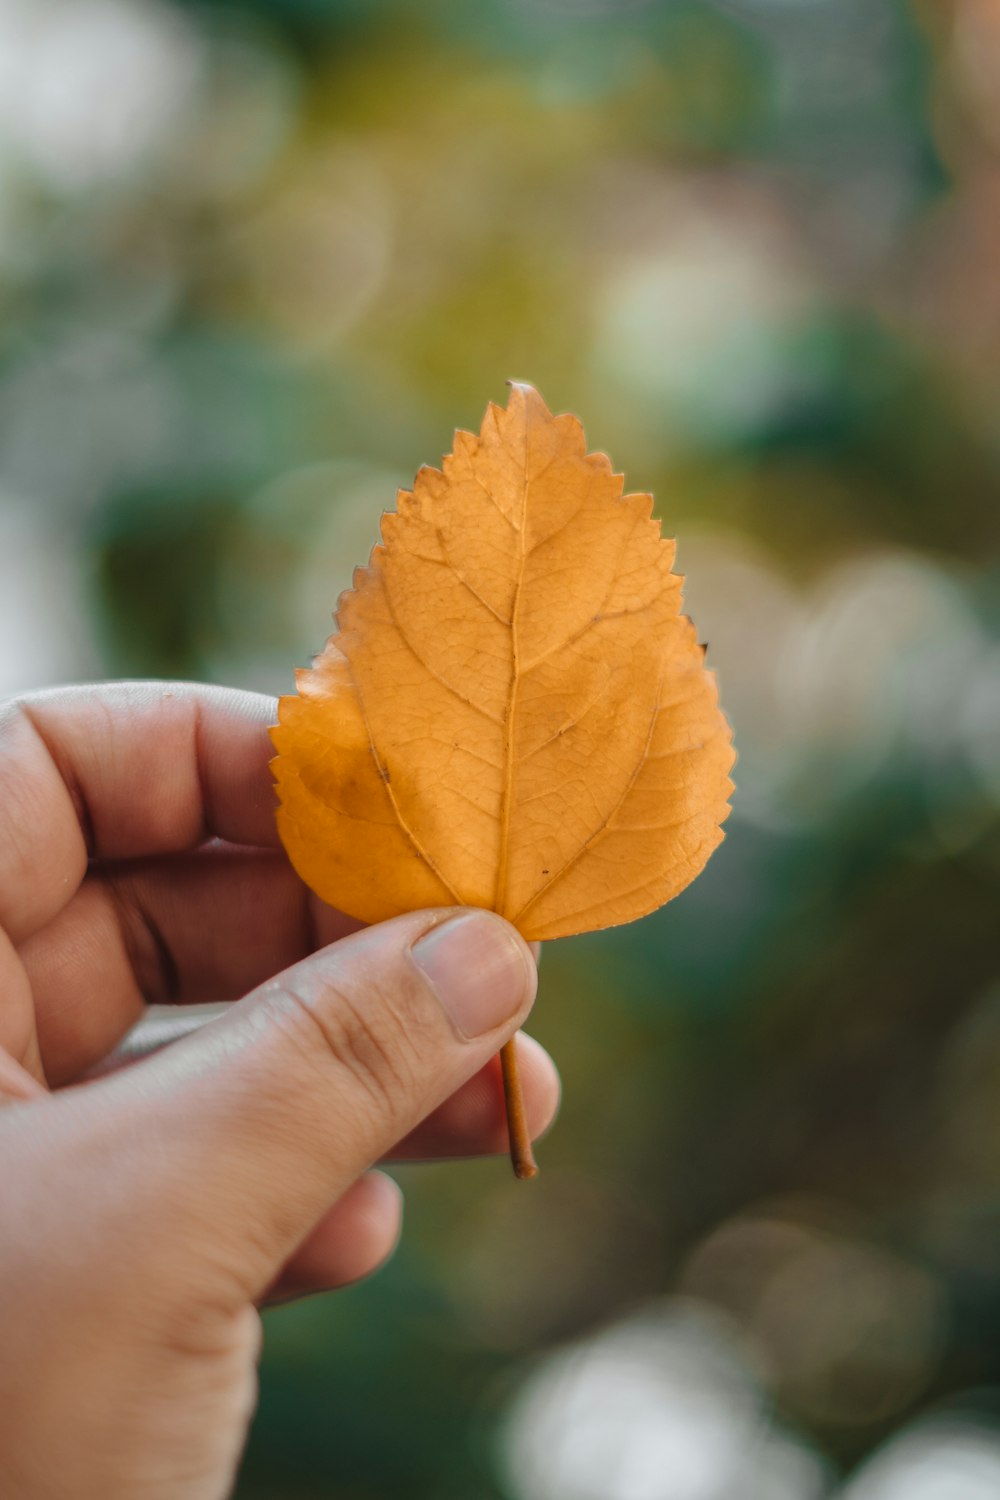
<point x="462" y="697"/>
<point x="491" y="497"/>
<point x="599" y="617"/>
<point x="602" y="904"/>
<point x="404" y="825"/>
<point x="605" y="823"/>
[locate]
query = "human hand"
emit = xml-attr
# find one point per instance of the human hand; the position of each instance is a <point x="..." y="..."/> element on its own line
<point x="144" y="1217"/>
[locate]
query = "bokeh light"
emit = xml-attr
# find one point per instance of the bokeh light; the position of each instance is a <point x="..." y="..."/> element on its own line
<point x="658" y="1407"/>
<point x="944" y="1458"/>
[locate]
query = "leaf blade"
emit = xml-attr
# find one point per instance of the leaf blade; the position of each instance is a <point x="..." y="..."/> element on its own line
<point x="518" y="712"/>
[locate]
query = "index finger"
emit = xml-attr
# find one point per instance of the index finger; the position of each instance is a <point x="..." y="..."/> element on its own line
<point x="117" y="770"/>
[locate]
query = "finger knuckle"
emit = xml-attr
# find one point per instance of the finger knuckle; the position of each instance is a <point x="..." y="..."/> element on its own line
<point x="356" y="1039"/>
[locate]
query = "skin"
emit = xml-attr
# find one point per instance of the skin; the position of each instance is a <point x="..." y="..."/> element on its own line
<point x="147" y="1216"/>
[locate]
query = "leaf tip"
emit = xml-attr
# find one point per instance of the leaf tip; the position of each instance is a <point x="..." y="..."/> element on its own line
<point x="523" y="393"/>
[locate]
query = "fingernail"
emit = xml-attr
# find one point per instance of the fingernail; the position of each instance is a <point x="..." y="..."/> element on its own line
<point x="479" y="968"/>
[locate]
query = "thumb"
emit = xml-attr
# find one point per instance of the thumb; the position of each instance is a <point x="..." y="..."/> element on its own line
<point x="261" y="1120"/>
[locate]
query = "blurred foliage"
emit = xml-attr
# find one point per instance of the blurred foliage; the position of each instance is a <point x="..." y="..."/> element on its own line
<point x="256" y="261"/>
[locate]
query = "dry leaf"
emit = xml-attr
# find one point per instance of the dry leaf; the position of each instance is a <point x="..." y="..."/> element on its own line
<point x="514" y="714"/>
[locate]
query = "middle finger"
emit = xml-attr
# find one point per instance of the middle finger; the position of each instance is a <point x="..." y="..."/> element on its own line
<point x="209" y="925"/>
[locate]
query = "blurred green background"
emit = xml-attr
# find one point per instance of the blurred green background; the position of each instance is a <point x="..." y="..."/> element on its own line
<point x="256" y="262"/>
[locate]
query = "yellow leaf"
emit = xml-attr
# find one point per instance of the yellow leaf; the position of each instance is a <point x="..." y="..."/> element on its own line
<point x="514" y="714"/>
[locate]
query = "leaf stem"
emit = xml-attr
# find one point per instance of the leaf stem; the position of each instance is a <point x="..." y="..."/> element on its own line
<point x="521" y="1156"/>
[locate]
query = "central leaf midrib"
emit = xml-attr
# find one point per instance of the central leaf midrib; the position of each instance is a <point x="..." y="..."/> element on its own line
<point x="500" y="894"/>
